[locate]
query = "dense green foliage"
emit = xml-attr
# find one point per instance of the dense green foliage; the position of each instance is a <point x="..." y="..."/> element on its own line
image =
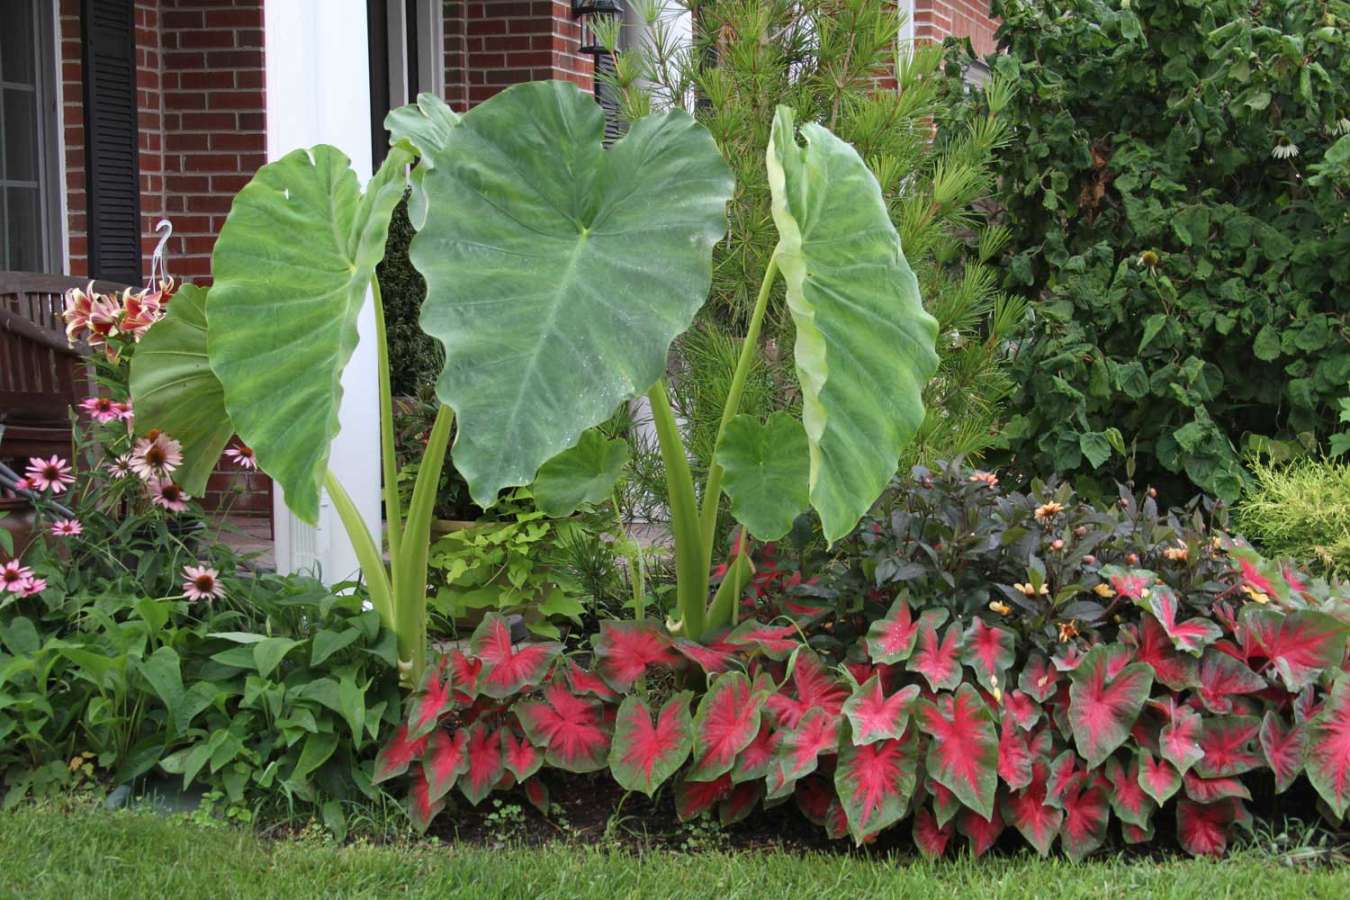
<point x="1300" y="510"/>
<point x="415" y="359"/>
<point x="1175" y="191"/>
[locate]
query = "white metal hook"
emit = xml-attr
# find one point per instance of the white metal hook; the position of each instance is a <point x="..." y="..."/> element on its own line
<point x="159" y="267"/>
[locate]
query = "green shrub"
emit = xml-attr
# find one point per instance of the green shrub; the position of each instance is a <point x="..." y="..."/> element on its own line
<point x="1300" y="510"/>
<point x="414" y="358"/>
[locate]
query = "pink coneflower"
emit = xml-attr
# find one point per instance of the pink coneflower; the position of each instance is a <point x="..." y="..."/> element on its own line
<point x="33" y="587"/>
<point x="123" y="411"/>
<point x="23" y="484"/>
<point x="49" y="474"/>
<point x="242" y="456"/>
<point x="101" y="409"/>
<point x="14" y="577"/>
<point x="203" y="583"/>
<point x="67" y="527"/>
<point x="120" y="467"/>
<point x="155" y="456"/>
<point x="168" y="495"/>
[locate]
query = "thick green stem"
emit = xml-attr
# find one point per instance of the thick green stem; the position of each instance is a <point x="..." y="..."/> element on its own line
<point x="712" y="488"/>
<point x="726" y="605"/>
<point x="367" y="552"/>
<point x="690" y="563"/>
<point x="635" y="572"/>
<point x="393" y="514"/>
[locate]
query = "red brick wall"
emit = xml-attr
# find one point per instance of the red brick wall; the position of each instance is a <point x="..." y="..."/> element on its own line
<point x="937" y="19"/>
<point x="492" y="44"/>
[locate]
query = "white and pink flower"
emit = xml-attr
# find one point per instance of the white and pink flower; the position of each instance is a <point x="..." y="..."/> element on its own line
<point x="242" y="456"/>
<point x="156" y="456"/>
<point x="101" y="409"/>
<point x="120" y="467"/>
<point x="67" y="528"/>
<point x="166" y="494"/>
<point x="203" y="583"/>
<point x="49" y="474"/>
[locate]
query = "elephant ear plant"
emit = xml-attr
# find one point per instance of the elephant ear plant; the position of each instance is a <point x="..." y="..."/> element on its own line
<point x="558" y="275"/>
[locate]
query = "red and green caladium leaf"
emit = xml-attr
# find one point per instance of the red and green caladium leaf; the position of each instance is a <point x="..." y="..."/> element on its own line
<point x="485" y="764"/>
<point x="1101" y="709"/>
<point x="1152" y="646"/>
<point x="1191" y="636"/>
<point x="1299" y="646"/>
<point x="1022" y="709"/>
<point x="1158" y="777"/>
<point x="1222" y="677"/>
<point x="422" y="808"/>
<point x="693" y="798"/>
<point x="938" y="661"/>
<point x="1086" y="816"/>
<point x="989" y="652"/>
<point x="571" y="729"/>
<point x="537" y="793"/>
<point x="1026" y="810"/>
<point x="875" y="781"/>
<point x="1284" y="747"/>
<point x="465" y="672"/>
<point x="521" y="758"/>
<point x="813" y="687"/>
<point x="1202" y="828"/>
<point x="1039" y="680"/>
<point x="1229" y="746"/>
<point x="931" y="839"/>
<point x="1130" y="802"/>
<point x="798" y="749"/>
<point x="1328" y="755"/>
<point x="727" y="721"/>
<point x="891" y="639"/>
<point x="754" y="761"/>
<point x="507" y="669"/>
<point x="624" y="651"/>
<point x="979" y="831"/>
<point x="395" y="757"/>
<point x="1014" y="755"/>
<point x="876" y="717"/>
<point x="644" y="754"/>
<point x="1208" y="790"/>
<point x="585" y="682"/>
<point x="432" y="701"/>
<point x="1179" y="740"/>
<point x="963" y="752"/>
<point x="774" y="641"/>
<point x="713" y="658"/>
<point x="739" y="803"/>
<point x="446" y="758"/>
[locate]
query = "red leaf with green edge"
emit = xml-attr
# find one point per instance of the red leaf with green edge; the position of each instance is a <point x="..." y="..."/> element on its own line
<point x="431" y="702"/>
<point x="1152" y="646"/>
<point x="1102" y="710"/>
<point x="945" y="804"/>
<point x="644" y="754"/>
<point x="1257" y="576"/>
<point x="1222" y="677"/>
<point x="728" y="720"/>
<point x="1284" y="747"/>
<point x="876" y="717"/>
<point x="1014" y="755"/>
<point x="521" y="758"/>
<point x="1210" y="790"/>
<point x="446" y="758"/>
<point x="931" y="839"/>
<point x="537" y="793"/>
<point x="395" y="757"/>
<point x="754" y="761"/>
<point x="624" y="651"/>
<point x="814" y="794"/>
<point x="1039" y="679"/>
<point x="1300" y="645"/>
<point x="981" y="832"/>
<point x="507" y="669"/>
<point x="1067" y="658"/>
<point x="740" y="803"/>
<point x="1158" y="777"/>
<point x="1086" y="816"/>
<point x="963" y="754"/>
<point x="583" y="681"/>
<point x="1027" y="811"/>
<point x="1191" y="636"/>
<point x="1023" y="710"/>
<point x="422" y="808"/>
<point x="836" y="821"/>
<point x="874" y="783"/>
<point x="1133" y="834"/>
<point x="1128" y="800"/>
<point x="1202" y="828"/>
<point x="693" y="798"/>
<point x="1229" y="745"/>
<point x="571" y="729"/>
<point x="713" y="659"/>
<point x="938" y="661"/>
<point x="891" y="639"/>
<point x="1328" y="756"/>
<point x="1064" y="774"/>
<point x="989" y="652"/>
<point x="486" y="766"/>
<point x="464" y="673"/>
<point x="774" y="641"/>
<point x="799" y="748"/>
<point x="1131" y="583"/>
<point x="813" y="687"/>
<point x="1179" y="740"/>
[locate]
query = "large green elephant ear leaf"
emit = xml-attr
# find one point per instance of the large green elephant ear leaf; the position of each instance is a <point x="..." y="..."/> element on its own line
<point x="173" y="388"/>
<point x="865" y="345"/>
<point x="582" y="474"/>
<point x="291" y="267"/>
<point x="765" y="470"/>
<point x="558" y="273"/>
<point x="421" y="128"/>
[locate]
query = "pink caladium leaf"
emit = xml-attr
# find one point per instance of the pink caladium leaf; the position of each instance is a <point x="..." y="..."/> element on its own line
<point x="624" y="651"/>
<point x="1130" y="583"/>
<point x="963" y="752"/>
<point x="1102" y="709"/>
<point x="508" y="669"/>
<point x="1027" y="811"/>
<point x="395" y="757"/>
<point x="1023" y="710"/>
<point x="1130" y="802"/>
<point x="422" y="807"/>
<point x="1065" y="772"/>
<point x="728" y="719"/>
<point x="571" y="729"/>
<point x="799" y="748"/>
<point x="1209" y="790"/>
<point x="1152" y="646"/>
<point x="930" y="837"/>
<point x="812" y="686"/>
<point x="814" y="794"/>
<point x="774" y="641"/>
<point x="874" y="783"/>
<point x="1158" y="777"/>
<point x="1259" y="579"/>
<point x="713" y="658"/>
<point x="537" y="793"/>
<point x="693" y="798"/>
<point x="521" y="758"/>
<point x="1039" y="679"/>
<point x="1284" y="747"/>
<point x="1086" y="815"/>
<point x="836" y="821"/>
<point x="465" y="671"/>
<point x="876" y="717"/>
<point x="486" y="766"/>
<point x="1133" y="834"/>
<point x="938" y="661"/>
<point x="446" y="758"/>
<point x="1179" y="740"/>
<point x="1191" y="636"/>
<point x="988" y="650"/>
<point x="1299" y="646"/>
<point x="890" y="639"/>
<point x="583" y="681"/>
<point x="1222" y="677"/>
<point x="1014" y="755"/>
<point x="1067" y="658"/>
<point x="740" y="802"/>
<point x="981" y="832"/>
<point x="1229" y="745"/>
<point x="754" y="761"/>
<point x="432" y="700"/>
<point x="645" y="753"/>
<point x="1328" y="755"/>
<point x="1202" y="828"/>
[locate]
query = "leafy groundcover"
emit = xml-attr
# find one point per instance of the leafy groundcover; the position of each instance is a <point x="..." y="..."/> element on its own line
<point x="954" y="725"/>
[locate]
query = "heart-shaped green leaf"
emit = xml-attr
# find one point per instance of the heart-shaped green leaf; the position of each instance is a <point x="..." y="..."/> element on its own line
<point x="291" y="267"/>
<point x="173" y="388"/>
<point x="765" y="468"/>
<point x="865" y="345"/>
<point x="558" y="273"/>
<point x="585" y="473"/>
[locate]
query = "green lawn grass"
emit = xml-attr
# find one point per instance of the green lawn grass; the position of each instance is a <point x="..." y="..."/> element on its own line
<point x="92" y="854"/>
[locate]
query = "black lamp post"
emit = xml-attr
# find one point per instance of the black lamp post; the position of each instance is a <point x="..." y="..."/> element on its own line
<point x="584" y="11"/>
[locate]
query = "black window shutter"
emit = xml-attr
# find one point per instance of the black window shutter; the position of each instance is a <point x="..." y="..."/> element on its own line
<point x="112" y="163"/>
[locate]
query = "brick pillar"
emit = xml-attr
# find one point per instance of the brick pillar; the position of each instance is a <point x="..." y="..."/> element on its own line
<point x="492" y="44"/>
<point x="938" y="19"/>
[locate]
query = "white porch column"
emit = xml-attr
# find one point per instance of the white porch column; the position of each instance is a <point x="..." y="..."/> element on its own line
<point x="318" y="92"/>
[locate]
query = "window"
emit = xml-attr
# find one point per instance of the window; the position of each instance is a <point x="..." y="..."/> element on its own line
<point x="30" y="190"/>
